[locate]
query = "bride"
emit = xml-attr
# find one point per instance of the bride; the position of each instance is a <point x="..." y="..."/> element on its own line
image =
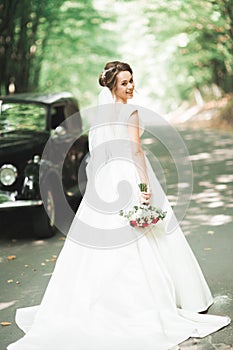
<point x="115" y="286"/>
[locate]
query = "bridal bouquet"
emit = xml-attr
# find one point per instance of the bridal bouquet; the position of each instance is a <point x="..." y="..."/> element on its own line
<point x="143" y="215"/>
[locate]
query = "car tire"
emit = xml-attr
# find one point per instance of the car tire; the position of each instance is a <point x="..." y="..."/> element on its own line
<point x="44" y="223"/>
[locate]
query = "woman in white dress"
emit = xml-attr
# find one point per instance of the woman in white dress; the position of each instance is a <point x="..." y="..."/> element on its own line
<point x="115" y="286"/>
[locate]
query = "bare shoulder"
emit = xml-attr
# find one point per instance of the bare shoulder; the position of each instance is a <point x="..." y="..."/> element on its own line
<point x="133" y="127"/>
<point x="134" y="113"/>
<point x="134" y="117"/>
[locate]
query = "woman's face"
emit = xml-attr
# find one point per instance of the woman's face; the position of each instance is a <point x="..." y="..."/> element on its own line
<point x="124" y="87"/>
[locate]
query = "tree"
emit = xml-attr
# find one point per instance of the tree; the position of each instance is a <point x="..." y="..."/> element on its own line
<point x="199" y="38"/>
<point x="54" y="45"/>
<point x="77" y="49"/>
<point x="24" y="30"/>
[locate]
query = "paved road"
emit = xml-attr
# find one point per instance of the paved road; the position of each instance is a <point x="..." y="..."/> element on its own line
<point x="26" y="264"/>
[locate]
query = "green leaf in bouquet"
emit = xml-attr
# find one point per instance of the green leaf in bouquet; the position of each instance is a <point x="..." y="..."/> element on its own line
<point x="143" y="187"/>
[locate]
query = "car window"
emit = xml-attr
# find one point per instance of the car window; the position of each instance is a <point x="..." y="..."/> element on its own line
<point x="15" y="116"/>
<point x="71" y="110"/>
<point x="57" y="116"/>
<point x="62" y="112"/>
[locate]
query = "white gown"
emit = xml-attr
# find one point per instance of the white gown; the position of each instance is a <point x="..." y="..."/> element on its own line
<point x="116" y="287"/>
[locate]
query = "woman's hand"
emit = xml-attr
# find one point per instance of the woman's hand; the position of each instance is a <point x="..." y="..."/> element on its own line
<point x="145" y="197"/>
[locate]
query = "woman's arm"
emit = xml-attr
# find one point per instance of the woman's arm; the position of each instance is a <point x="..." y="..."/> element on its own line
<point x="138" y="154"/>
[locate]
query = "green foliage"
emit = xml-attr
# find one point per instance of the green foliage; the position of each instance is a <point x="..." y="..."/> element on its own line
<point x="178" y="48"/>
<point x="200" y="38"/>
<point x="16" y="116"/>
<point x="54" y="45"/>
<point x="78" y="47"/>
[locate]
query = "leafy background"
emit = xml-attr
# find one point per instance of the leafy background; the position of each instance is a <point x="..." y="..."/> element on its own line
<point x="181" y="51"/>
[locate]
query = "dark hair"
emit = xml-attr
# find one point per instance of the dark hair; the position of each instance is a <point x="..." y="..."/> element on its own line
<point x="111" y="70"/>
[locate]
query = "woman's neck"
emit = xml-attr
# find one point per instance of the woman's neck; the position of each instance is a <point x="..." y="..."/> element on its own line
<point x="121" y="101"/>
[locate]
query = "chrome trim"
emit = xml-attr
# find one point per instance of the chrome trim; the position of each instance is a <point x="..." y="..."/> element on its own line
<point x="13" y="169"/>
<point x="20" y="204"/>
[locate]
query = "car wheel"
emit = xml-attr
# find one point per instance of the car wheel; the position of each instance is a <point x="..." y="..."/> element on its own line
<point x="44" y="223"/>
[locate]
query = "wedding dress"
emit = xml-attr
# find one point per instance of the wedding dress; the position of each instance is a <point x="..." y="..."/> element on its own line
<point x="114" y="286"/>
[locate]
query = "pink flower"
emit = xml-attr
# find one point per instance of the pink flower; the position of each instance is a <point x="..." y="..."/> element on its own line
<point x="155" y="220"/>
<point x="133" y="223"/>
<point x="145" y="224"/>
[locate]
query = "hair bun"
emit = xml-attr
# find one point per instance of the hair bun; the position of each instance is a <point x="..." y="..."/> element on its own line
<point x="102" y="79"/>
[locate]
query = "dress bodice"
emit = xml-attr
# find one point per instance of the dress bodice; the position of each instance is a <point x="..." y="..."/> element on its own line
<point x="110" y="128"/>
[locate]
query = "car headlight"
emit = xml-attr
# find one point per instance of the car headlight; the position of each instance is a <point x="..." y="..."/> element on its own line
<point x="8" y="174"/>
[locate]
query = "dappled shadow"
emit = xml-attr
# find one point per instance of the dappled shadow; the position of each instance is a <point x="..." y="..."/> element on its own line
<point x="222" y="303"/>
<point x="211" y="154"/>
<point x="204" y="344"/>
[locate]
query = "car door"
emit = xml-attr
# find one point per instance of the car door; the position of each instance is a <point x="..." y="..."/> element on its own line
<point x="67" y="127"/>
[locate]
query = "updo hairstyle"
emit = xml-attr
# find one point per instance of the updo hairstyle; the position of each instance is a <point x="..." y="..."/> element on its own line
<point x="108" y="77"/>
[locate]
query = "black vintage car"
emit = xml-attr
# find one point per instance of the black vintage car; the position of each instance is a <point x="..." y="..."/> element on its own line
<point x="29" y="122"/>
